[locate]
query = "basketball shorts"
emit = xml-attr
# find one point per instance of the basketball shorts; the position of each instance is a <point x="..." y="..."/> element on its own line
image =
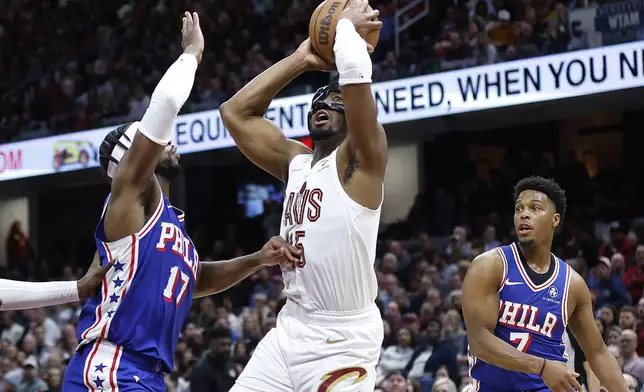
<point x="315" y="351"/>
<point x="478" y="387"/>
<point x="103" y="366"/>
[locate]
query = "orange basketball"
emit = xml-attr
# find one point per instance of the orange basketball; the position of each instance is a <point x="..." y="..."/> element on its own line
<point x="322" y="28"/>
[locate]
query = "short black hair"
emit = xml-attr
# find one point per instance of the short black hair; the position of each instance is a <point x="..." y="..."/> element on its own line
<point x="217" y="332"/>
<point x="548" y="187"/>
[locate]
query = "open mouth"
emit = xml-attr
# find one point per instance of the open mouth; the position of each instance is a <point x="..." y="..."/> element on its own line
<point x="321" y="118"/>
<point x="524" y="228"/>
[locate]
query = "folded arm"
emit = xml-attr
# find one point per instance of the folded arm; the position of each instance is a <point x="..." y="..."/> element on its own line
<point x="481" y="309"/>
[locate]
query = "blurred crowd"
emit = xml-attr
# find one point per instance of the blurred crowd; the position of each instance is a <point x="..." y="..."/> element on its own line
<point x="70" y="65"/>
<point x="420" y="266"/>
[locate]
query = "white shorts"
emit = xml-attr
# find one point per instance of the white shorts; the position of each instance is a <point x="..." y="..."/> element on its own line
<point x="311" y="352"/>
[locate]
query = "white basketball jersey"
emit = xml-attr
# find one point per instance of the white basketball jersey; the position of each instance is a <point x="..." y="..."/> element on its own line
<point x="338" y="237"/>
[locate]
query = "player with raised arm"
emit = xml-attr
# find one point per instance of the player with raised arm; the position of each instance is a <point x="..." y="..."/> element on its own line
<point x="129" y="331"/>
<point x="329" y="332"/>
<point x="16" y="295"/>
<point x="518" y="300"/>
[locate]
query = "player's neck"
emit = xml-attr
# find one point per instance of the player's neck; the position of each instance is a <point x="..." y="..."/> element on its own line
<point x="537" y="255"/>
<point x="323" y="149"/>
<point x="165" y="186"/>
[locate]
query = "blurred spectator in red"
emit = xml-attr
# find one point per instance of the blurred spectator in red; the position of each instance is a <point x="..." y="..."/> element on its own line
<point x="634" y="276"/>
<point x="18" y="249"/>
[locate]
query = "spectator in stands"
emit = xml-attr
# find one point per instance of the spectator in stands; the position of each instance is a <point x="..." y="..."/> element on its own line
<point x="215" y="372"/>
<point x="608" y="289"/>
<point x="634" y="276"/>
<point x="619" y="267"/>
<point x="459" y="246"/>
<point x="19" y="252"/>
<point x="444" y="385"/>
<point x="395" y="357"/>
<point x="633" y="363"/>
<point x="30" y="380"/>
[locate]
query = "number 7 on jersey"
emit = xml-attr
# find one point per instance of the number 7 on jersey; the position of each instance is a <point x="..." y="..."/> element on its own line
<point x="173" y="281"/>
<point x="522" y="340"/>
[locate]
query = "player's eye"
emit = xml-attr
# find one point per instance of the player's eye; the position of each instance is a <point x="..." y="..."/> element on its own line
<point x="337" y="99"/>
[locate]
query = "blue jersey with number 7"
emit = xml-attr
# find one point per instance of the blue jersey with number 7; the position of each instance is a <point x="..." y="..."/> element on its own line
<point x="146" y="297"/>
<point x="532" y="318"/>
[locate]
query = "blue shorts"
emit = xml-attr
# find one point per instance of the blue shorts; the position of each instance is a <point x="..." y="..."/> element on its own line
<point x="479" y="387"/>
<point x="103" y="366"/>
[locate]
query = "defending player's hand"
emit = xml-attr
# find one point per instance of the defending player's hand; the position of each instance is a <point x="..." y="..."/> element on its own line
<point x="90" y="283"/>
<point x="277" y="251"/>
<point x="559" y="378"/>
<point x="363" y="20"/>
<point x="311" y="59"/>
<point x="191" y="36"/>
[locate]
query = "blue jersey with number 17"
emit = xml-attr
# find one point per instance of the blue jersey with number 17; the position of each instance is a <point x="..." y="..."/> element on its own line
<point x="532" y="318"/>
<point x="146" y="297"/>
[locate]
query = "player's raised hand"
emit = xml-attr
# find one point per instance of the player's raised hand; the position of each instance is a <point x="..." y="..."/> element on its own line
<point x="312" y="60"/>
<point x="364" y="20"/>
<point x="191" y="35"/>
<point x="277" y="251"/>
<point x="559" y="378"/>
<point x="89" y="284"/>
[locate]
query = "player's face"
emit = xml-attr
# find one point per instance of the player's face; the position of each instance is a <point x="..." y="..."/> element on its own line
<point x="535" y="218"/>
<point x="168" y="166"/>
<point x="326" y="123"/>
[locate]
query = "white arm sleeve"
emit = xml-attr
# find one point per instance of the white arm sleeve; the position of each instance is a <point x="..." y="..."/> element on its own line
<point x="25" y="295"/>
<point x="167" y="99"/>
<point x="351" y="55"/>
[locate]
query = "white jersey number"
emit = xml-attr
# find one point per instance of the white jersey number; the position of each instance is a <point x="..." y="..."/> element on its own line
<point x="173" y="281"/>
<point x="521" y="339"/>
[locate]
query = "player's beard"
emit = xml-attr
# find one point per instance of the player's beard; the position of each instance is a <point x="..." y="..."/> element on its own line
<point x="527" y="242"/>
<point x="168" y="170"/>
<point x="321" y="134"/>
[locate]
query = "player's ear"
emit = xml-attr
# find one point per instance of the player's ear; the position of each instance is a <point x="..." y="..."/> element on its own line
<point x="556" y="219"/>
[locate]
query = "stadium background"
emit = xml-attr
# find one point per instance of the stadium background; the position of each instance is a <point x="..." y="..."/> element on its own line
<point x="72" y="65"/>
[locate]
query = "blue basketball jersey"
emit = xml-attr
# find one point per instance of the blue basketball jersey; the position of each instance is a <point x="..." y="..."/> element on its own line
<point x="146" y="297"/>
<point x="532" y="318"/>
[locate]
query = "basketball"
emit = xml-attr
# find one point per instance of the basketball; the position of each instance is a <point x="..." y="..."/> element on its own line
<point x="322" y="28"/>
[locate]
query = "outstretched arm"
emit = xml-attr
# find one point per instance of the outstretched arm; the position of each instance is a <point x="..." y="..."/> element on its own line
<point x="481" y="310"/>
<point x="135" y="172"/>
<point x="582" y="324"/>
<point x="258" y="138"/>
<point x="216" y="276"/>
<point x="15" y="295"/>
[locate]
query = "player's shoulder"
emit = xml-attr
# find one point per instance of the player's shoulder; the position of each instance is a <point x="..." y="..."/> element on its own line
<point x="577" y="286"/>
<point x="296" y="149"/>
<point x="297" y="161"/>
<point x="488" y="266"/>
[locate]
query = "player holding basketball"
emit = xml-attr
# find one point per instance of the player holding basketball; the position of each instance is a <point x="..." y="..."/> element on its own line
<point x="129" y="331"/>
<point x="16" y="295"/>
<point x="329" y="333"/>
<point x="518" y="300"/>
